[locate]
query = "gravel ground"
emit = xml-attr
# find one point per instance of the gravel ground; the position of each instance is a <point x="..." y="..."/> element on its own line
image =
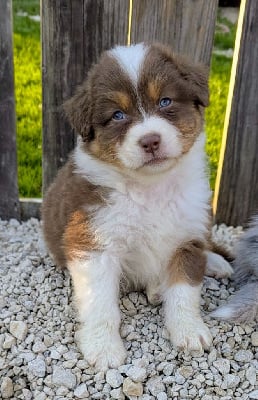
<point x="40" y="360"/>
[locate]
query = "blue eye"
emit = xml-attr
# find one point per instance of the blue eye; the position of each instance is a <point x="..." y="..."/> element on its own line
<point x="118" y="115"/>
<point x="166" y="101"/>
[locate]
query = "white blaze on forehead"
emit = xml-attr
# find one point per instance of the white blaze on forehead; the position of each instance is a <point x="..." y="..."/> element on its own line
<point x="130" y="59"/>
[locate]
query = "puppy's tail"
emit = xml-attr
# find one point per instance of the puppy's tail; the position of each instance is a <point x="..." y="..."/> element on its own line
<point x="242" y="307"/>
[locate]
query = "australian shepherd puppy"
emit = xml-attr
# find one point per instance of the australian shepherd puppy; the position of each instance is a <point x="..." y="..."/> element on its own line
<point x="133" y="201"/>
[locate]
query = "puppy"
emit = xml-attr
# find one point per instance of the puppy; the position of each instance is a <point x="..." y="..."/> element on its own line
<point x="243" y="306"/>
<point x="133" y="200"/>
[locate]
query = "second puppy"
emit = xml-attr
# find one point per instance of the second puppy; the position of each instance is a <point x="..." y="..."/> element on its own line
<point x="243" y="306"/>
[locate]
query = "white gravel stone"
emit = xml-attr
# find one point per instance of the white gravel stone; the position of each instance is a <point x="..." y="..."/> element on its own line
<point x="18" y="329"/>
<point x="230" y="381"/>
<point x="254" y="339"/>
<point x="39" y="347"/>
<point x="28" y="356"/>
<point x="253" y="394"/>
<point x="212" y="356"/>
<point x="155" y="385"/>
<point x="6" y="388"/>
<point x="40" y="395"/>
<point x="48" y="341"/>
<point x="222" y="365"/>
<point x="126" y="330"/>
<point x="243" y="356"/>
<point x="129" y="306"/>
<point x="168" y="369"/>
<point x="251" y="375"/>
<point x="117" y="394"/>
<point x="131" y="388"/>
<point x="179" y="378"/>
<point x="137" y="374"/>
<point x="27" y="395"/>
<point x="69" y="364"/>
<point x="114" y="378"/>
<point x="185" y="371"/>
<point x="61" y="390"/>
<point x="63" y="377"/>
<point x="55" y="354"/>
<point x="162" y="396"/>
<point x="183" y="393"/>
<point x="82" y="364"/>
<point x="81" y="391"/>
<point x="37" y="367"/>
<point x="9" y="341"/>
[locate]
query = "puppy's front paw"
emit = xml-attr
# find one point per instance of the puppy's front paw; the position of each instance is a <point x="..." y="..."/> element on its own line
<point x="217" y="266"/>
<point x="190" y="334"/>
<point x="101" y="349"/>
<point x="154" y="298"/>
<point x="153" y="292"/>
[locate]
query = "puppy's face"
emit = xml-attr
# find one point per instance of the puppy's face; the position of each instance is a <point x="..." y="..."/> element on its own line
<point x="141" y="108"/>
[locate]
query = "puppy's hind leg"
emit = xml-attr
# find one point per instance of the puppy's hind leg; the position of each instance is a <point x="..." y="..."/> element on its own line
<point x="96" y="285"/>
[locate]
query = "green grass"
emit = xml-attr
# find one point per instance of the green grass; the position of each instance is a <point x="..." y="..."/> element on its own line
<point x="224" y="40"/>
<point x="28" y="96"/>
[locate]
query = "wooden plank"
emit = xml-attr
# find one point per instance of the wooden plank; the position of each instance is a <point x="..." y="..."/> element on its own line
<point x="61" y="65"/>
<point x="186" y="25"/>
<point x="30" y="208"/>
<point x="9" y="203"/>
<point x="236" y="195"/>
<point x="74" y="33"/>
<point x="105" y="25"/>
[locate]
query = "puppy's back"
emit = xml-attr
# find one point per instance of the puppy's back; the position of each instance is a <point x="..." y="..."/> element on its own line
<point x="70" y="193"/>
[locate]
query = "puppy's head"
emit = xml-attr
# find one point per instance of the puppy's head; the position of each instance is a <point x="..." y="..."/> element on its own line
<point x="141" y="107"/>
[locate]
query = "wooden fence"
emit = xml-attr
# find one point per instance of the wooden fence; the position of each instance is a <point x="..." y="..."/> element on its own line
<point x="75" y="32"/>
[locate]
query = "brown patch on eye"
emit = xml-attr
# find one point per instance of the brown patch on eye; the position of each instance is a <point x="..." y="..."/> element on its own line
<point x="79" y="236"/>
<point x="186" y="83"/>
<point x="106" y="90"/>
<point x="111" y="90"/>
<point x="188" y="264"/>
<point x="188" y="80"/>
<point x="123" y="100"/>
<point x="154" y="91"/>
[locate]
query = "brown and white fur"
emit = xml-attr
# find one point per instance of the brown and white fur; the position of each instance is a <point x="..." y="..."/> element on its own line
<point x="132" y="202"/>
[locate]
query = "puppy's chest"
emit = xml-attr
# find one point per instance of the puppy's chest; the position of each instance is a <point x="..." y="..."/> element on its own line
<point x="155" y="218"/>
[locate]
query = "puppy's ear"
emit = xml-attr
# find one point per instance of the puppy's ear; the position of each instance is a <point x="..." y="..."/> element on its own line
<point x="78" y="111"/>
<point x="196" y="77"/>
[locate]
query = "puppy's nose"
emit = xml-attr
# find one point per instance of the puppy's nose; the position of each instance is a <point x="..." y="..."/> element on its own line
<point x="150" y="143"/>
